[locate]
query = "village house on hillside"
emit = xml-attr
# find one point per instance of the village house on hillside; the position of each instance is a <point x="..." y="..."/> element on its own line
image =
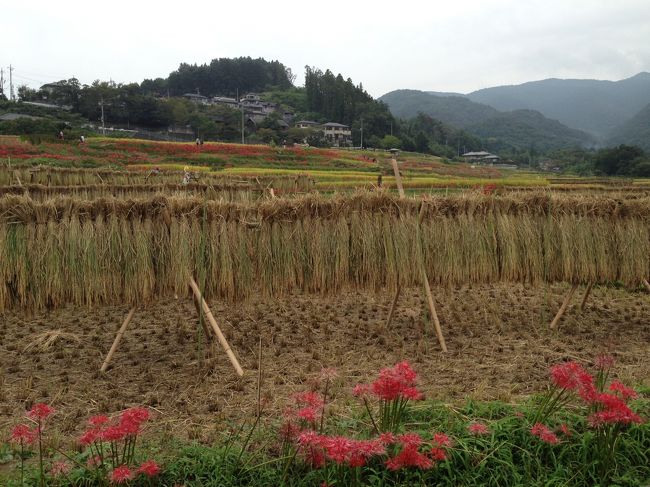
<point x="336" y="134"/>
<point x="481" y="157"/>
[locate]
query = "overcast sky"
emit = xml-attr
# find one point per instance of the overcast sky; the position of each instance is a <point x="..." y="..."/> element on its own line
<point x="460" y="45"/>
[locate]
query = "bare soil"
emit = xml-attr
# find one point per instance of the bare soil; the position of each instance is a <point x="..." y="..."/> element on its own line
<point x="500" y="347"/>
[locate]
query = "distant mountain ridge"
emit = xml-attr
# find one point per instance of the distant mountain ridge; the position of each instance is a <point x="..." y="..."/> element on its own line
<point x="453" y="110"/>
<point x="516" y="129"/>
<point x="594" y="106"/>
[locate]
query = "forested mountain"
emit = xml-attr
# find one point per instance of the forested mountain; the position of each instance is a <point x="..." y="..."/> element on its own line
<point x="223" y="76"/>
<point x="594" y="106"/>
<point x="635" y="131"/>
<point x="454" y="110"/>
<point x="528" y="130"/>
<point x="506" y="131"/>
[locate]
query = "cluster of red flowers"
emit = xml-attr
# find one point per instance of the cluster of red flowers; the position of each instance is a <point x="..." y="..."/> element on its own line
<point x="397" y="382"/>
<point x="341" y="450"/>
<point x="122" y="473"/>
<point x="128" y="425"/>
<point x="611" y="406"/>
<point x="544" y="434"/>
<point x="478" y="429"/>
<point x="24" y="435"/>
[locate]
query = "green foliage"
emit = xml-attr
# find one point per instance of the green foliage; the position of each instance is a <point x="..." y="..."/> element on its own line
<point x="338" y="100"/>
<point x="225" y="76"/>
<point x="622" y="160"/>
<point x="527" y="129"/>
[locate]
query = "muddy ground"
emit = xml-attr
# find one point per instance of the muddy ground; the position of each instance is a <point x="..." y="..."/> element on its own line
<point x="498" y="337"/>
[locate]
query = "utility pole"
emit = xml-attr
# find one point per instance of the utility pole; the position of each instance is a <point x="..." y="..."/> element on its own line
<point x="12" y="97"/>
<point x="242" y="116"/>
<point x="2" y="82"/>
<point x="102" y="105"/>
<point x="362" y="133"/>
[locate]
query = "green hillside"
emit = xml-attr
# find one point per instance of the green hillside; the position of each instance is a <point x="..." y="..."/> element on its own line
<point x="454" y="110"/>
<point x="528" y="129"/>
<point x="636" y="131"/>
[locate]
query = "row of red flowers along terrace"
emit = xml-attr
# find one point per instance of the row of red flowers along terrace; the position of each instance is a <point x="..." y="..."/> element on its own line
<point x="386" y="439"/>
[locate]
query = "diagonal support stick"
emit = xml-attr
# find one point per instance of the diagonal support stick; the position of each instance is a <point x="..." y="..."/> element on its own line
<point x="562" y="309"/>
<point x="118" y="337"/>
<point x="393" y="306"/>
<point x="587" y="292"/>
<point x="215" y="327"/>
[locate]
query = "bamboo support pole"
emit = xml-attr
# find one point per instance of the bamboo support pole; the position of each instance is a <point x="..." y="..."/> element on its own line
<point x="116" y="342"/>
<point x="584" y="299"/>
<point x="393" y="306"/>
<point x="646" y="284"/>
<point x="432" y="309"/>
<point x="562" y="309"/>
<point x="398" y="178"/>
<point x="215" y="327"/>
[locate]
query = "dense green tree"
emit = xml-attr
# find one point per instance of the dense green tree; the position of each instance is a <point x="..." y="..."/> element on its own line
<point x="621" y="160"/>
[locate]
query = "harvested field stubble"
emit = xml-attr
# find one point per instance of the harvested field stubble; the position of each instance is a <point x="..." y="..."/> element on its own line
<point x="111" y="251"/>
<point x="498" y="337"/>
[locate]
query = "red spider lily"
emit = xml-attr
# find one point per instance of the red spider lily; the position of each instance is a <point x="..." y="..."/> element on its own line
<point x="615" y="411"/>
<point x="90" y="436"/>
<point x="40" y="411"/>
<point x="604" y="362"/>
<point x="339" y="449"/>
<point x="149" y="468"/>
<point x="309" y="398"/>
<point x="393" y="383"/>
<point x="98" y="420"/>
<point x="22" y="434"/>
<point x="59" y="469"/>
<point x="309" y="414"/>
<point x="409" y="456"/>
<point x="544" y="434"/>
<point x="361" y="390"/>
<point x="571" y="376"/>
<point x="441" y="439"/>
<point x="409" y="439"/>
<point x="113" y="433"/>
<point x="120" y="475"/>
<point x="478" y="429"/>
<point x="564" y="429"/>
<point x="138" y="415"/>
<point x="625" y="392"/>
<point x="438" y="454"/>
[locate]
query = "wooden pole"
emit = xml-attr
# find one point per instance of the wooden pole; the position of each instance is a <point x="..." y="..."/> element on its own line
<point x="587" y="292"/>
<point x="393" y="306"/>
<point x="215" y="327"/>
<point x="432" y="309"/>
<point x="562" y="309"/>
<point x="646" y="284"/>
<point x="398" y="178"/>
<point x="116" y="342"/>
